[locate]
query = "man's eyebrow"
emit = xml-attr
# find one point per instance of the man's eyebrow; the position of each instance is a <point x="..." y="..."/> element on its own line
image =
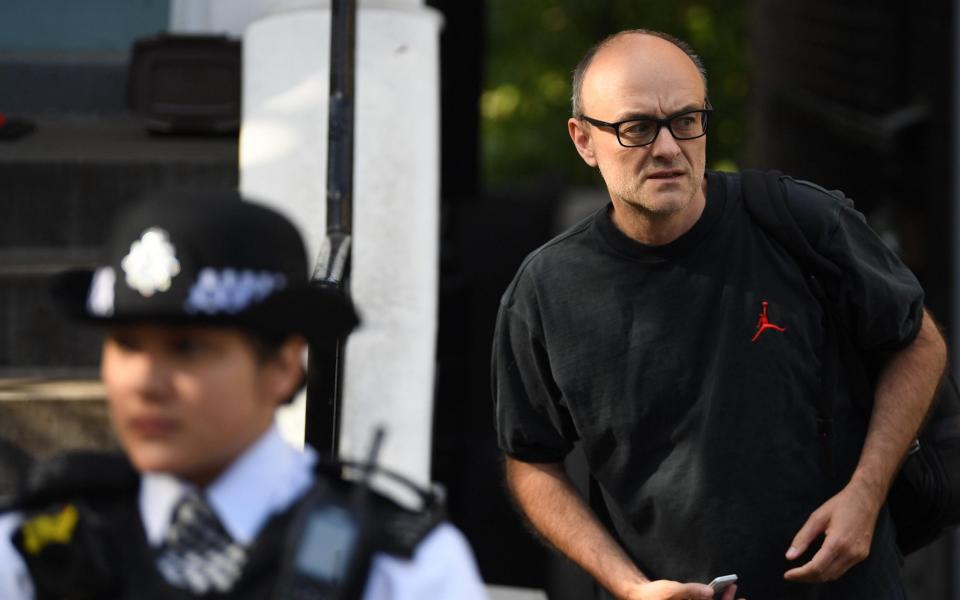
<point x="630" y="116"/>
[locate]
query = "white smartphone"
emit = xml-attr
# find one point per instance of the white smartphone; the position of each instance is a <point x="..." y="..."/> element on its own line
<point x="721" y="583"/>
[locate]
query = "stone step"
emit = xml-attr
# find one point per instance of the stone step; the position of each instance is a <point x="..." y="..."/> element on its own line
<point x="45" y="416"/>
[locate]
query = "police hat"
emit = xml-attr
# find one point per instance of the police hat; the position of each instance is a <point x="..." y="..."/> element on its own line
<point x="206" y="258"/>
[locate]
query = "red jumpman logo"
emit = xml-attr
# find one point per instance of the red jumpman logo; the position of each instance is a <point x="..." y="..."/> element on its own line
<point x="763" y="324"/>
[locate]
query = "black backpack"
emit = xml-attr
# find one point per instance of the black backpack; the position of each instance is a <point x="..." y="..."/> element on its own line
<point x="924" y="499"/>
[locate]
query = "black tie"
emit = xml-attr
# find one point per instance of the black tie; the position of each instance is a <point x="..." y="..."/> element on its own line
<point x="197" y="553"/>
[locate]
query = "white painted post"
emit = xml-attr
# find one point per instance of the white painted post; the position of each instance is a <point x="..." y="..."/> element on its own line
<point x="233" y="16"/>
<point x="390" y="360"/>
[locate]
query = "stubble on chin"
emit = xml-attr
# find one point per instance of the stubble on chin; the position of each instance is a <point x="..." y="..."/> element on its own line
<point x="656" y="204"/>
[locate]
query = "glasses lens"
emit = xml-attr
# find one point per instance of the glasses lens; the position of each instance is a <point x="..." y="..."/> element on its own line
<point x="688" y="125"/>
<point x="638" y="133"/>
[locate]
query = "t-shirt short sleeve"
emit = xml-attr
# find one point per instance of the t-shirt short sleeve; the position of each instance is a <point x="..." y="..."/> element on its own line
<point x="533" y="424"/>
<point x="880" y="298"/>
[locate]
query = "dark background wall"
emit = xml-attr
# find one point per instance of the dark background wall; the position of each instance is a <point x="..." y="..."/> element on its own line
<point x="481" y="237"/>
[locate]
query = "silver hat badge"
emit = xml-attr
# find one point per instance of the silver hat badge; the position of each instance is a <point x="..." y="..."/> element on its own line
<point x="151" y="263"/>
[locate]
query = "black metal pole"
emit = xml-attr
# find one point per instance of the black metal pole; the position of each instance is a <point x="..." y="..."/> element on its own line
<point x="325" y="368"/>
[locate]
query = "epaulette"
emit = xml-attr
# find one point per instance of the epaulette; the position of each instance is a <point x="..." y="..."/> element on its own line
<point x="68" y="503"/>
<point x="399" y="529"/>
<point x="403" y="529"/>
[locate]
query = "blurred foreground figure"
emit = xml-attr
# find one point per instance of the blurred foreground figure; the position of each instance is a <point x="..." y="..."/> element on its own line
<point x="682" y="347"/>
<point x="207" y="310"/>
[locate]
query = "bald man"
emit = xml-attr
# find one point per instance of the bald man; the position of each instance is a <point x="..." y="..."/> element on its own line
<point x="681" y="346"/>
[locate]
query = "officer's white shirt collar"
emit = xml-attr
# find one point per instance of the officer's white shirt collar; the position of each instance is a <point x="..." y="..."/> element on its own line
<point x="266" y="479"/>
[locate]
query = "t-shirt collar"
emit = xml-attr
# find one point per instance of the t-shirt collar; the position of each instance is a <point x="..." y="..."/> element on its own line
<point x="716" y="200"/>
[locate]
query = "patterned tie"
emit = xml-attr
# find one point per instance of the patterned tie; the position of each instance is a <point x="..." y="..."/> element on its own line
<point x="197" y="553"/>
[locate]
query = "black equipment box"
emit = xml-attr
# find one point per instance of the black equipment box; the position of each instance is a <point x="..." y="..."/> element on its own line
<point x="188" y="84"/>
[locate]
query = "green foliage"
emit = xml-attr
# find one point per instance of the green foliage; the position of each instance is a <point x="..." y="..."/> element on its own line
<point x="534" y="46"/>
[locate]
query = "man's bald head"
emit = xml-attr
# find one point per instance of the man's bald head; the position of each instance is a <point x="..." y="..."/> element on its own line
<point x="579" y="73"/>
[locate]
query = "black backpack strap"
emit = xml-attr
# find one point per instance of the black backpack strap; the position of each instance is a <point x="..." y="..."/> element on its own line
<point x="765" y="199"/>
<point x="766" y="202"/>
<point x="791" y="221"/>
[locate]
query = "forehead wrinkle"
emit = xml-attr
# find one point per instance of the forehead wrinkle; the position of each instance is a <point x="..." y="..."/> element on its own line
<point x="662" y="111"/>
<point x="642" y="75"/>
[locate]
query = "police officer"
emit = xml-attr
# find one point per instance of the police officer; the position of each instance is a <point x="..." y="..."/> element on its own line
<point x="207" y="310"/>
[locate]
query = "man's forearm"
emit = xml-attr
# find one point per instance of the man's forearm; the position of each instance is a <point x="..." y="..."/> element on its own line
<point x="904" y="392"/>
<point x="903" y="395"/>
<point x="559" y="514"/>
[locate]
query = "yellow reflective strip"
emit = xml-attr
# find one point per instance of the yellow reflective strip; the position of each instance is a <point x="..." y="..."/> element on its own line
<point x="47" y="529"/>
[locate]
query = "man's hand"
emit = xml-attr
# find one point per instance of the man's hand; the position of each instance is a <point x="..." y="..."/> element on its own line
<point x="664" y="589"/>
<point x="848" y="521"/>
<point x="548" y="499"/>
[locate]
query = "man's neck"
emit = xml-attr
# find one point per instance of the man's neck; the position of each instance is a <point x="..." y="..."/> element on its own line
<point x="656" y="229"/>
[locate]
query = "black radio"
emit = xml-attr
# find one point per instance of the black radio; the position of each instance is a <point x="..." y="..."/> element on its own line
<point x="338" y="529"/>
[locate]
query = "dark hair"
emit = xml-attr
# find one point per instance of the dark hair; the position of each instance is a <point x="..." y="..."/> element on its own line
<point x="266" y="348"/>
<point x="581" y="69"/>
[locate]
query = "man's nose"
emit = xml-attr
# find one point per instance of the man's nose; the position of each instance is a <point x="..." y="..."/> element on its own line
<point x="665" y="144"/>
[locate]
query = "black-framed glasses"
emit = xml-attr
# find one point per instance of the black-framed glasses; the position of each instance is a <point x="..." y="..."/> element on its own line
<point x="686" y="125"/>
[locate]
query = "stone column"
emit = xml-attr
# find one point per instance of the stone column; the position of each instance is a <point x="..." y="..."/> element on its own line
<point x="390" y="359"/>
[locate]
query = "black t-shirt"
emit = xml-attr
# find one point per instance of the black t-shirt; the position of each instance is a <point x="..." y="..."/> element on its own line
<point x="688" y="372"/>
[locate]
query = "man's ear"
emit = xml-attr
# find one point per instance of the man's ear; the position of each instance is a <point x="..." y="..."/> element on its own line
<point x="580" y="134"/>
